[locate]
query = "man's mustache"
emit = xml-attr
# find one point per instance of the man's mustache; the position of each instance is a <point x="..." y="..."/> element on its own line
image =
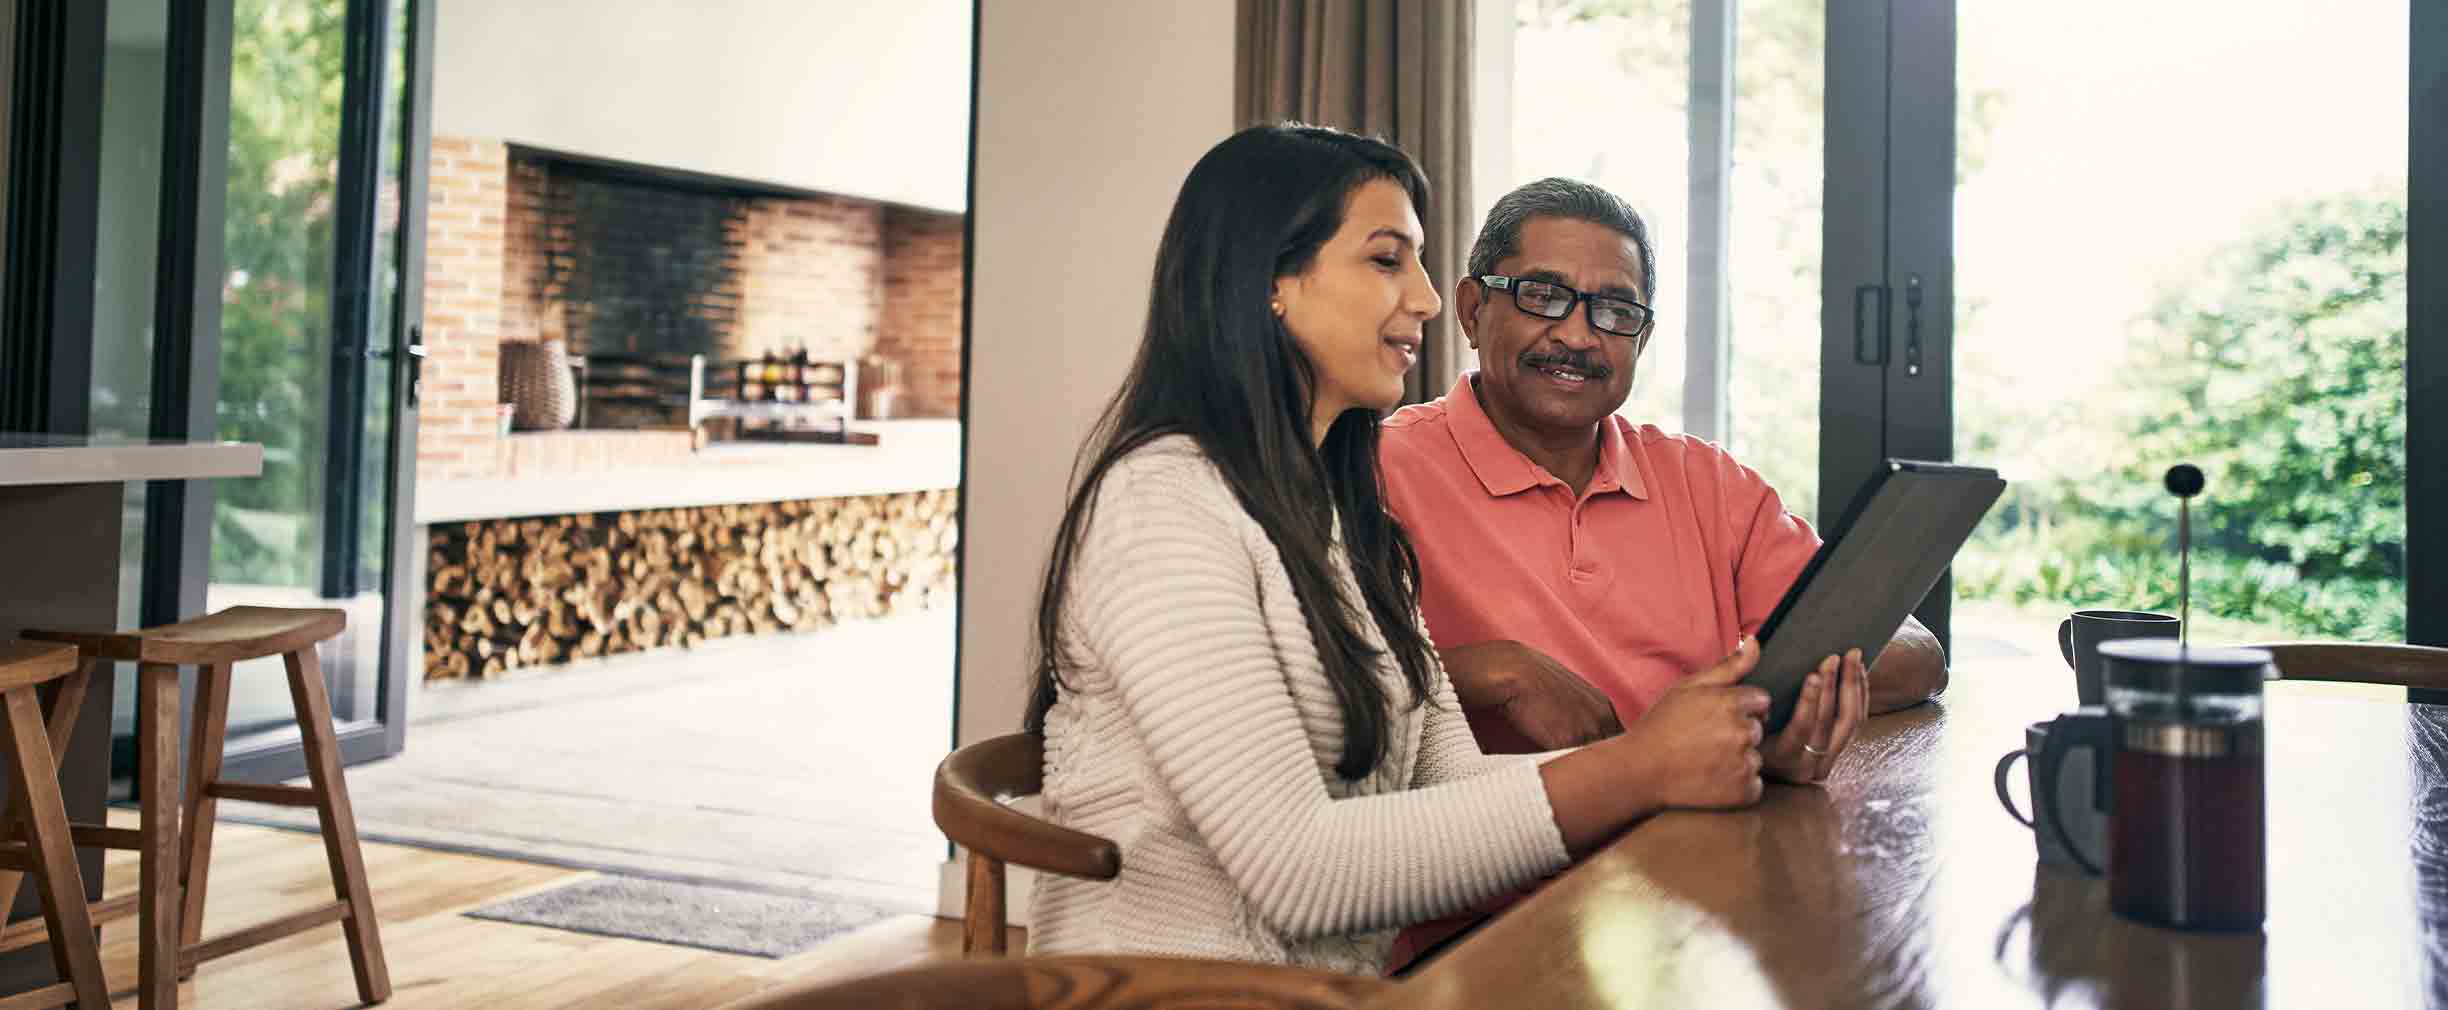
<point x="1586" y="363"/>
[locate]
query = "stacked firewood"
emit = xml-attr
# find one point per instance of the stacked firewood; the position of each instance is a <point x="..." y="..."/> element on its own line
<point x="511" y="593"/>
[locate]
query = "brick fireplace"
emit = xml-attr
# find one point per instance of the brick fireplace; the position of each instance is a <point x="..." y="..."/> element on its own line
<point x="550" y="547"/>
<point x="838" y="276"/>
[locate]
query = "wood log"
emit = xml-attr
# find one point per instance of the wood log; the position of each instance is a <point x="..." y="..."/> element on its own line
<point x="508" y="594"/>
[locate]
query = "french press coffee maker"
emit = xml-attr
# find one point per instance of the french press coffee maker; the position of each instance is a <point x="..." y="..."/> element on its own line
<point x="2178" y="759"/>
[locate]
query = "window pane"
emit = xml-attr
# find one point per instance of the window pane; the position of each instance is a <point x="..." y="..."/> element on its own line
<point x="1626" y="64"/>
<point x="1599" y="93"/>
<point x="135" y="68"/>
<point x="1780" y="130"/>
<point x="2184" y="260"/>
<point x="276" y="341"/>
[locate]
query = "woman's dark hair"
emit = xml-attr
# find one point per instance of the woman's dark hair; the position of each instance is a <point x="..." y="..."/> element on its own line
<point x="1217" y="365"/>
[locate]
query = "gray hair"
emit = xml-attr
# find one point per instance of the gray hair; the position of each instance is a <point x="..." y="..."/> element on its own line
<point x="1571" y="199"/>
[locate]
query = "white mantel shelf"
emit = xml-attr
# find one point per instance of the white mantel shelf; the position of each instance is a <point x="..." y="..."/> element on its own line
<point x="32" y="460"/>
<point x="911" y="455"/>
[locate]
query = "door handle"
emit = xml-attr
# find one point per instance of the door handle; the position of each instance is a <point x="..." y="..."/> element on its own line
<point x="1912" y="325"/>
<point x="1869" y="346"/>
<point x="412" y="354"/>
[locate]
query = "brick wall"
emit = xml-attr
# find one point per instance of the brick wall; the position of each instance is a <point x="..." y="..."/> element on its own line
<point x="464" y="225"/>
<point x="922" y="309"/>
<point x="810" y="274"/>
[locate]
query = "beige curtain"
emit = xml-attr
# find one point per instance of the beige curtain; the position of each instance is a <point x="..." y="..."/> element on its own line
<point x="1394" y="69"/>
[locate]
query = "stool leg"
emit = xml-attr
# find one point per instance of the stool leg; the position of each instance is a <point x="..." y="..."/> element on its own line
<point x="157" y="785"/>
<point x="67" y="700"/>
<point x="204" y="744"/>
<point x="34" y="779"/>
<point x="339" y="824"/>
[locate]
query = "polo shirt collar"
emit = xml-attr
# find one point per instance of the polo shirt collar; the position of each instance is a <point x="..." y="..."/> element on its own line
<point x="1504" y="470"/>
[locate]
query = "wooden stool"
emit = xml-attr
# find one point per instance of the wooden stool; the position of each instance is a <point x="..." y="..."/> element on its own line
<point x="35" y="811"/>
<point x="173" y="867"/>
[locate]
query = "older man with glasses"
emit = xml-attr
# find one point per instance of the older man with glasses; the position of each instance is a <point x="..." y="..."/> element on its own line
<point x="1576" y="568"/>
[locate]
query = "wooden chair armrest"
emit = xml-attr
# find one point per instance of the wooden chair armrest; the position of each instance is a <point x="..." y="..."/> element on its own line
<point x="969" y="785"/>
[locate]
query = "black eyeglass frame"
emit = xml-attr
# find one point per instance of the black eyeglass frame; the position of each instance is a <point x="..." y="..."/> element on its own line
<point x="1510" y="286"/>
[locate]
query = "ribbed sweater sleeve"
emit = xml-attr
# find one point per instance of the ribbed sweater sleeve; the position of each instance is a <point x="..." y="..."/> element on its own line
<point x="1167" y="594"/>
<point x="1448" y="750"/>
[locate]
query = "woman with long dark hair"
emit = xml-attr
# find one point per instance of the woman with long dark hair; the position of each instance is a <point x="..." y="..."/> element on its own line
<point x="1233" y="680"/>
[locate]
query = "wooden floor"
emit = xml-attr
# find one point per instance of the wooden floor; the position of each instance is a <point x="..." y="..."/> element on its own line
<point x="442" y="959"/>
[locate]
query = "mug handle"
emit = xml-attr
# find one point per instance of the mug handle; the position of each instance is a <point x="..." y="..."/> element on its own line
<point x="2065" y="639"/>
<point x="2005" y="767"/>
<point x="2071" y="732"/>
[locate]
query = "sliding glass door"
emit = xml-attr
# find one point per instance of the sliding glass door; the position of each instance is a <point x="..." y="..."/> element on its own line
<point x="2199" y="259"/>
<point x="319" y="307"/>
<point x="2078" y="243"/>
<point x="289" y="237"/>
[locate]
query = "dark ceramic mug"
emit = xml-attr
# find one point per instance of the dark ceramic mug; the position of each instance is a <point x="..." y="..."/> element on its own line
<point x="2079" y="638"/>
<point x="2065" y="758"/>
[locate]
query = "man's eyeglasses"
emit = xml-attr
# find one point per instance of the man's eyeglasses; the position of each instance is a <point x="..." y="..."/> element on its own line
<point x="1622" y="317"/>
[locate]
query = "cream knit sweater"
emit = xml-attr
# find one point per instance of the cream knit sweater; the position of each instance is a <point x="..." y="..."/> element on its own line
<point x="1198" y="731"/>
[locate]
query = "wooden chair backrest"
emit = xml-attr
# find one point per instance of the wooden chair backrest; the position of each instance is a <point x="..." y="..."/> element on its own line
<point x="2420" y="667"/>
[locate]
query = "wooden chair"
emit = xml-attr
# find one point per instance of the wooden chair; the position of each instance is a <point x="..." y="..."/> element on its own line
<point x="175" y="865"/>
<point x="39" y="838"/>
<point x="2421" y="669"/>
<point x="971" y="787"/>
<point x="1081" y="983"/>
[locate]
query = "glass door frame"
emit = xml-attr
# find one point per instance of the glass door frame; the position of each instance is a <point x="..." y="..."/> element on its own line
<point x="359" y="340"/>
<point x="1887" y="287"/>
<point x="187" y="318"/>
<point x="1887" y="277"/>
<point x="2427" y="333"/>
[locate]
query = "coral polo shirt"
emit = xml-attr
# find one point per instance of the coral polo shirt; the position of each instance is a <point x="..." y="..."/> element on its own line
<point x="1672" y="552"/>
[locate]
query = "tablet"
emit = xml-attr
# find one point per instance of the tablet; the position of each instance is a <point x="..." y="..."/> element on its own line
<point x="1881" y="559"/>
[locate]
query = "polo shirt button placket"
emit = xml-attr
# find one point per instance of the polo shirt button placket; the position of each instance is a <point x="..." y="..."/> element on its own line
<point x="1583" y="568"/>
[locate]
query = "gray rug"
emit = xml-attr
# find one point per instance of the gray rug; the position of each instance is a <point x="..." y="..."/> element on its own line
<point x="690" y="915"/>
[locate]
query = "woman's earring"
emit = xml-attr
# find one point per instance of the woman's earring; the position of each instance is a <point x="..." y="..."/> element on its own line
<point x="1278" y="307"/>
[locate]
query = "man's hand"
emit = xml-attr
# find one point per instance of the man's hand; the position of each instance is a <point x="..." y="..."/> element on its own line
<point x="1699" y="745"/>
<point x="1549" y="705"/>
<point x="1834" y="699"/>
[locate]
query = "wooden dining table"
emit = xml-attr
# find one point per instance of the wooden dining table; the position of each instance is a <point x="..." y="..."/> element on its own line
<point x="1902" y="882"/>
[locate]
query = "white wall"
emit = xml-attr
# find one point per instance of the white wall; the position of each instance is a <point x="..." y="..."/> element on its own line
<point x="844" y="96"/>
<point x="1090" y="112"/>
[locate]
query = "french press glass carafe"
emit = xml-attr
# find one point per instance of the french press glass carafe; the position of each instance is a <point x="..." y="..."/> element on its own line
<point x="2182" y="742"/>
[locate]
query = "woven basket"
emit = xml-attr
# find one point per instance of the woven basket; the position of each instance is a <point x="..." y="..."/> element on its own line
<point x="535" y="377"/>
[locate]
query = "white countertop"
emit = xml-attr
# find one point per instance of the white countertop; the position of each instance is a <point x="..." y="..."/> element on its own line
<point x="911" y="455"/>
<point x="27" y="460"/>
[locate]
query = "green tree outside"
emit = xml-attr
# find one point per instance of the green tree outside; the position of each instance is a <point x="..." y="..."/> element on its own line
<point x="2280" y="371"/>
<point x="285" y="81"/>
